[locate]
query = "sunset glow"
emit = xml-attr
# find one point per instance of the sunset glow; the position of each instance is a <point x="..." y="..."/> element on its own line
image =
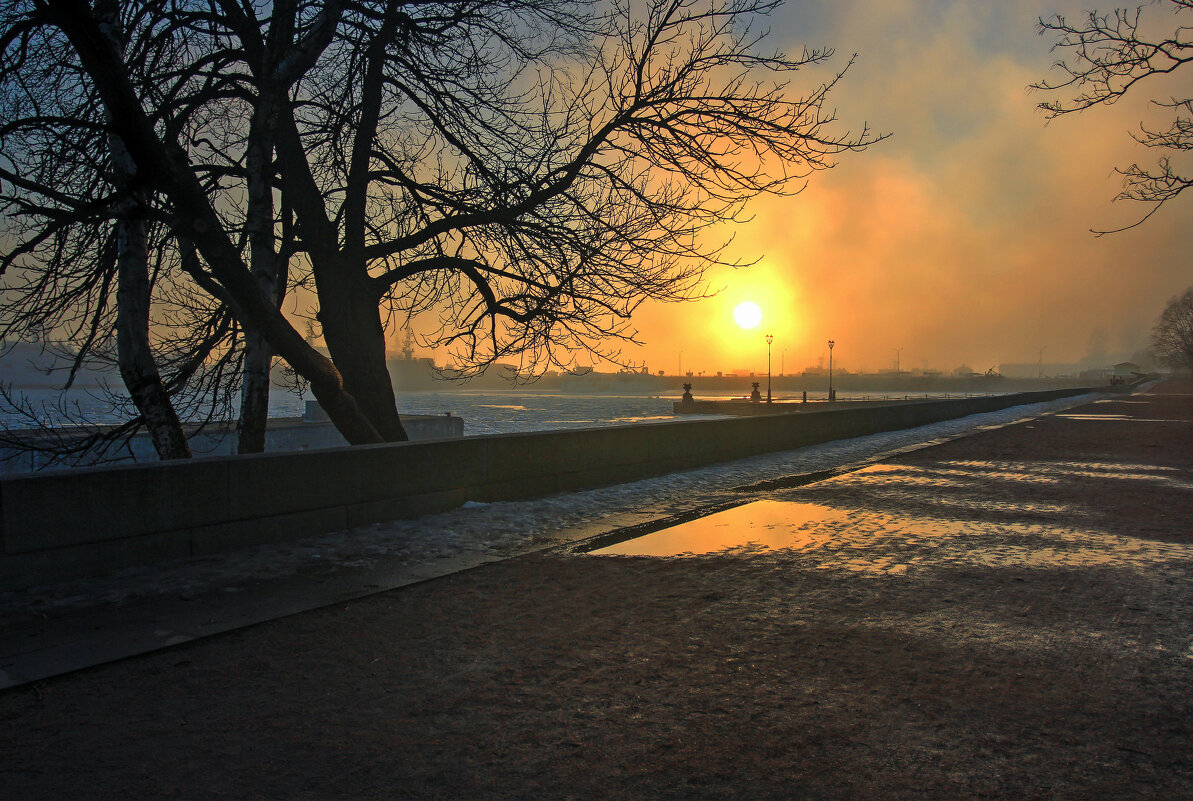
<point x="964" y="239"/>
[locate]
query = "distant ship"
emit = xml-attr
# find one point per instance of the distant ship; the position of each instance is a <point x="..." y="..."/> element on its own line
<point x="586" y="381"/>
<point x="410" y="373"/>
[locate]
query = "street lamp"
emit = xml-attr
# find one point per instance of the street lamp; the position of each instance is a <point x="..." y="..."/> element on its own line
<point x="831" y="397"/>
<point x="769" y="339"/>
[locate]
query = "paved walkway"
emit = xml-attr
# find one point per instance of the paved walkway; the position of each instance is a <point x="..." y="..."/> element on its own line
<point x="51" y="630"/>
<point x="1002" y="615"/>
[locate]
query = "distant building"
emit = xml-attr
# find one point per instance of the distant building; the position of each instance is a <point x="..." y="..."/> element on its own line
<point x="1125" y="373"/>
<point x="1034" y="369"/>
<point x="1121" y="373"/>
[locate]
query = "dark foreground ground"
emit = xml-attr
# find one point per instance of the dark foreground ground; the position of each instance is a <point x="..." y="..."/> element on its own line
<point x="1008" y="615"/>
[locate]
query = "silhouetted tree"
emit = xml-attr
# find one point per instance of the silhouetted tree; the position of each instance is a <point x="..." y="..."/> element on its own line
<point x="83" y="216"/>
<point x="1108" y="57"/>
<point x="1172" y="338"/>
<point x="80" y="228"/>
<point x="90" y="251"/>
<point x="138" y="367"/>
<point x="529" y="171"/>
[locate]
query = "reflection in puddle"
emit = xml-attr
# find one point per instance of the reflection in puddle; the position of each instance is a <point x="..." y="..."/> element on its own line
<point x="860" y="539"/>
<point x="768" y="525"/>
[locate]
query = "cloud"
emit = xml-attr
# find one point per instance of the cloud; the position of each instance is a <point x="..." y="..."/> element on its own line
<point x="963" y="238"/>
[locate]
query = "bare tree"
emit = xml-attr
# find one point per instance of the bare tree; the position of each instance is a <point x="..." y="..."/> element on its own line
<point x="1109" y="56"/>
<point x="138" y="367"/>
<point x="83" y="223"/>
<point x="88" y="252"/>
<point x="530" y="172"/>
<point x="1172" y="338"/>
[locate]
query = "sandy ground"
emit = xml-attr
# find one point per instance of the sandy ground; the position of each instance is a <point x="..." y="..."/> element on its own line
<point x="1007" y="615"/>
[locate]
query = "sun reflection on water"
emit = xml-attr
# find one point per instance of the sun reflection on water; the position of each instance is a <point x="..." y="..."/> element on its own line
<point x="890" y="544"/>
<point x="762" y="524"/>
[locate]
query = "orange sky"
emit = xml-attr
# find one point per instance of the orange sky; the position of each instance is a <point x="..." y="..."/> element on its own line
<point x="963" y="239"/>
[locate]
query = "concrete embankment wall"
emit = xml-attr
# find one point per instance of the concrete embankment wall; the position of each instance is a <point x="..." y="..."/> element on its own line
<point x="219" y="439"/>
<point x="84" y="522"/>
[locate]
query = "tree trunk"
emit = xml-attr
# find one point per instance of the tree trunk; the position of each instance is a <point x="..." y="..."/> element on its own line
<point x="258" y="355"/>
<point x="348" y="304"/>
<point x="254" y="395"/>
<point x="137" y="365"/>
<point x="355" y="338"/>
<point x="134" y="353"/>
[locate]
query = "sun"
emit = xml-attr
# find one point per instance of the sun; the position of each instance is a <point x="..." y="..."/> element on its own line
<point x="748" y="314"/>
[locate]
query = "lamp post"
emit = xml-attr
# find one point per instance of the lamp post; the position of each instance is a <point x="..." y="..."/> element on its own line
<point x="831" y="397"/>
<point x="769" y="339"/>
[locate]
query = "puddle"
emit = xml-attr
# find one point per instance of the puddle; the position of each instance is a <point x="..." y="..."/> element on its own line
<point x="873" y="543"/>
<point x="891" y="520"/>
<point x="766" y="525"/>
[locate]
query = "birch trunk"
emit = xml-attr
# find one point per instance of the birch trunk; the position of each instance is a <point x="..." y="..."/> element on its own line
<point x="258" y="354"/>
<point x="254" y="395"/>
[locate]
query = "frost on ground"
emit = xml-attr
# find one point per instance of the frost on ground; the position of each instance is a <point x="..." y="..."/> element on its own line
<point x="493" y="530"/>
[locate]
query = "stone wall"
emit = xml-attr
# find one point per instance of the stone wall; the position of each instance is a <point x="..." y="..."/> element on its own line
<point x="82" y="522"/>
<point x="219" y="439"/>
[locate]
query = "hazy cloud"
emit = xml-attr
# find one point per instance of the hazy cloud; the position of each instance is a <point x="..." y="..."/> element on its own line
<point x="962" y="239"/>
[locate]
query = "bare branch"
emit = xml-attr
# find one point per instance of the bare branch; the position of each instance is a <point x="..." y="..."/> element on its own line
<point x="1108" y="57"/>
